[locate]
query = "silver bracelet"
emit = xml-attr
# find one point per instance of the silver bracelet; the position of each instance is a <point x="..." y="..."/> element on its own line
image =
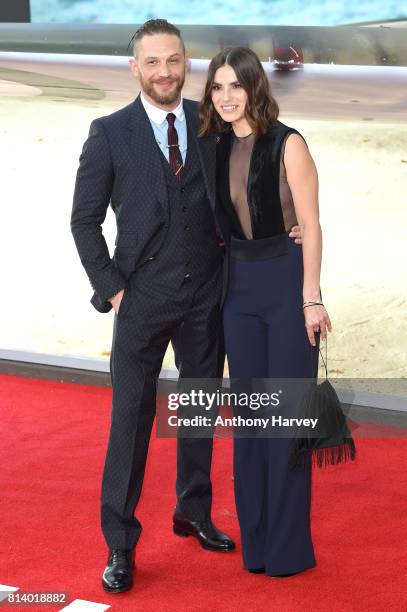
<point x="306" y="304"/>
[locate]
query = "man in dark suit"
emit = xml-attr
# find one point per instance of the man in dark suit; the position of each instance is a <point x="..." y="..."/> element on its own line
<point x="164" y="283"/>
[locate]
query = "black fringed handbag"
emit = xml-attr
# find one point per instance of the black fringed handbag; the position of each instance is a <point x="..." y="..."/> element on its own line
<point x="330" y="442"/>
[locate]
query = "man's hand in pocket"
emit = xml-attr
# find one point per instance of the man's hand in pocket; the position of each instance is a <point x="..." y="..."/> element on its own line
<point x="116" y="299"/>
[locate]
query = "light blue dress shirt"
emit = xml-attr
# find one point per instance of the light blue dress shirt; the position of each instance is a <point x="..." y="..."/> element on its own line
<point x="159" y="123"/>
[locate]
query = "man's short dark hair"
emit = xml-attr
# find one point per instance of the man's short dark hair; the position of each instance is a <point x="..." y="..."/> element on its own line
<point x="154" y="26"/>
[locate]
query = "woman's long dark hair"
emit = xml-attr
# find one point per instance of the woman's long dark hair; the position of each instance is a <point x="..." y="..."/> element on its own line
<point x="261" y="108"/>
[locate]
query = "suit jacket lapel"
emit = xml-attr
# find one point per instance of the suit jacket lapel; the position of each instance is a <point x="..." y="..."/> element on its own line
<point x="206" y="148"/>
<point x="147" y="158"/>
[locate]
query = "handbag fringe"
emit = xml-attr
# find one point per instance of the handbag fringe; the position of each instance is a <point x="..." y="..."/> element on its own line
<point x="323" y="457"/>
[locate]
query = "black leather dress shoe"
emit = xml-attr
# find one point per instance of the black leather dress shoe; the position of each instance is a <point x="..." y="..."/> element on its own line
<point x="118" y="574"/>
<point x="205" y="532"/>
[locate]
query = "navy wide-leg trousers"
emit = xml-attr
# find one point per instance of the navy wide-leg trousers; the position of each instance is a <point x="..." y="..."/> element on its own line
<point x="265" y="337"/>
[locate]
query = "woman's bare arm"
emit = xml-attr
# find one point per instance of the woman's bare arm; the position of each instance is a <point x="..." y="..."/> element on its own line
<point x="302" y="178"/>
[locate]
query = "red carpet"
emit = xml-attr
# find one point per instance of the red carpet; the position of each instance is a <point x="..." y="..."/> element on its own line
<point x="53" y="444"/>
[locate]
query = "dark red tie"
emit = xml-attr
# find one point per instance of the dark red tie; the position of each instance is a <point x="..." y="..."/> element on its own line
<point x="175" y="154"/>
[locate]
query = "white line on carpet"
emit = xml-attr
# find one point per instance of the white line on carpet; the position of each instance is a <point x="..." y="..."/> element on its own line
<point x="88" y="606"/>
<point x="5" y="590"/>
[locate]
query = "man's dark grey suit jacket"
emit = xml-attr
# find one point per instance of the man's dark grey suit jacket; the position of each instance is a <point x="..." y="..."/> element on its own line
<point x="119" y="166"/>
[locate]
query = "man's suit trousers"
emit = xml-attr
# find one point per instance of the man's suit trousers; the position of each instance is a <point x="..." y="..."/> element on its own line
<point x="148" y="319"/>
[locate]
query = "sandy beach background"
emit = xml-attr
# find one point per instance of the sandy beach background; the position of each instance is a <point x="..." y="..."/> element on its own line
<point x="362" y="170"/>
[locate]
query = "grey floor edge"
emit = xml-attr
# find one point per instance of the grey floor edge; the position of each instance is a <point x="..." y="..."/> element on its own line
<point x="94" y="371"/>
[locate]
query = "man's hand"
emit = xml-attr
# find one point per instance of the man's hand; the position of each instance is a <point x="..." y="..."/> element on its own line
<point x="296" y="234"/>
<point x="116" y="299"/>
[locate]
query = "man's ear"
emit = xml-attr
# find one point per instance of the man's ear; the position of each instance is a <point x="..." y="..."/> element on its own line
<point x="187" y="64"/>
<point x="133" y="66"/>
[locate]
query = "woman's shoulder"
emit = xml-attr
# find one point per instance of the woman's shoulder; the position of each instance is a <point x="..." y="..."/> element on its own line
<point x="279" y="132"/>
<point x="281" y="129"/>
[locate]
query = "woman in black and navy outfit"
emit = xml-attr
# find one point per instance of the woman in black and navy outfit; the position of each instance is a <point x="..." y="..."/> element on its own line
<point x="273" y="315"/>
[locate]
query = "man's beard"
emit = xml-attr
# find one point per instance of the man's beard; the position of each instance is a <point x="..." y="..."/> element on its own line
<point x="163" y="99"/>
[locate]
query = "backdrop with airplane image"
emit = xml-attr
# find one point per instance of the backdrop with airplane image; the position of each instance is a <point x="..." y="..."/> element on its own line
<point x="347" y="98"/>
